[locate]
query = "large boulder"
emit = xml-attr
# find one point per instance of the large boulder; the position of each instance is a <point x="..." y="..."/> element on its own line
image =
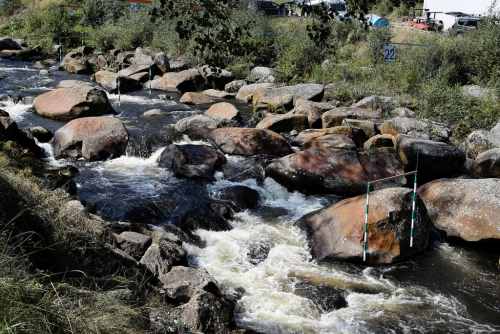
<point x="464" y="208"/>
<point x="321" y="107"/>
<point x="220" y="94"/>
<point x="313" y="92"/>
<point x="234" y="86"/>
<point x="92" y="138"/>
<point x="245" y="93"/>
<point x="371" y="103"/>
<point x="420" y="128"/>
<point x="184" y="81"/>
<point x="135" y="244"/>
<point x="196" y="127"/>
<point x="201" y="301"/>
<point x="239" y="197"/>
<point x="284" y="123"/>
<point x="8" y="128"/>
<point x="368" y="127"/>
<point x="162" y="62"/>
<point x="337" y="232"/>
<point x="195" y="98"/>
<point x="275" y="104"/>
<point x="76" y="66"/>
<point x="435" y="159"/>
<point x="135" y="69"/>
<point x="246" y="141"/>
<point x="354" y="133"/>
<point x="312" y="113"/>
<point x="70" y="103"/>
<point x="338" y="171"/>
<point x="73" y="83"/>
<point x="335" y="117"/>
<point x="192" y="161"/>
<point x="330" y="141"/>
<point x="488" y="163"/>
<point x="260" y="72"/>
<point x="481" y="141"/>
<point x="223" y="110"/>
<point x="7" y="43"/>
<point x="110" y="83"/>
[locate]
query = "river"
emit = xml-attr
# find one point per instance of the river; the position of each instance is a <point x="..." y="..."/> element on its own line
<point x="264" y="261"/>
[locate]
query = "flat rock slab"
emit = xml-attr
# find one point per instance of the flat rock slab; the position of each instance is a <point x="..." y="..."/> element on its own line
<point x="336" y="117"/>
<point x="330" y="141"/>
<point x="336" y="171"/>
<point x="195" y="98"/>
<point x="337" y="232"/>
<point x="284" y="123"/>
<point x="465" y="208"/>
<point x="312" y="92"/>
<point x="184" y="81"/>
<point x="223" y="110"/>
<point x="246" y="141"/>
<point x="71" y="103"/>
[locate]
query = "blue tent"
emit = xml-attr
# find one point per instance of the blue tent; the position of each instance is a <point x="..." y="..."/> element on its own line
<point x="376" y="21"/>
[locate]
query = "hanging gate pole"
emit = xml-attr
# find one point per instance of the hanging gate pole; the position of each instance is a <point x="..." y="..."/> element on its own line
<point x="150" y="82"/>
<point x="413" y="209"/>
<point x="118" y="85"/>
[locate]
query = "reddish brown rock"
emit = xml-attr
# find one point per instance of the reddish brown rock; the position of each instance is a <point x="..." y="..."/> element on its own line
<point x="93" y="138"/>
<point x="223" y="110"/>
<point x="195" y="98"/>
<point x="330" y="141"/>
<point x="70" y="103"/>
<point x="284" y="123"/>
<point x="246" y="141"/>
<point x="324" y="170"/>
<point x="464" y="208"/>
<point x="337" y="232"/>
<point x="245" y="93"/>
<point x="184" y="81"/>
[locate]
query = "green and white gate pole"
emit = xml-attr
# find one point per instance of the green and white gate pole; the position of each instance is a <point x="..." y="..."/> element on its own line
<point x="366" y="221"/>
<point x="413" y="210"/>
<point x="118" y="85"/>
<point x="150" y="82"/>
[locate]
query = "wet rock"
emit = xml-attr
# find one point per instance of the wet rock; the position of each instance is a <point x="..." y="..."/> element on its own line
<point x="202" y="302"/>
<point x="92" y="138"/>
<point x="192" y="161"/>
<point x="330" y="141"/>
<point x="435" y="159"/>
<point x="135" y="244"/>
<point x="258" y="253"/>
<point x="312" y="92"/>
<point x="21" y="42"/>
<point x="313" y="115"/>
<point x="321" y="107"/>
<point x="26" y="140"/>
<point x="70" y="103"/>
<point x="335" y="171"/>
<point x="247" y="141"/>
<point x="481" y="141"/>
<point x="234" y="86"/>
<point x="379" y="141"/>
<point x="368" y="127"/>
<point x="216" y="77"/>
<point x="60" y="178"/>
<point x="160" y="257"/>
<point x="488" y="163"/>
<point x="246" y="92"/>
<point x="222" y="111"/>
<point x="184" y="81"/>
<point x="284" y="123"/>
<point x="41" y="134"/>
<point x="153" y="113"/>
<point x="196" y="127"/>
<point x="239" y="197"/>
<point x="326" y="298"/>
<point x="423" y="128"/>
<point x="337" y="232"/>
<point x="195" y="98"/>
<point x="162" y="62"/>
<point x="8" y="128"/>
<point x="218" y="94"/>
<point x="259" y="72"/>
<point x="335" y="117"/>
<point x="403" y="112"/>
<point x="7" y="43"/>
<point x="110" y="83"/>
<point x="3" y="113"/>
<point x="241" y="172"/>
<point x="203" y="217"/>
<point x="371" y="103"/>
<point x="464" y="208"/>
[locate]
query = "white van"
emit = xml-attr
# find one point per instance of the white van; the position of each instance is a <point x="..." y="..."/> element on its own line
<point x="308" y="5"/>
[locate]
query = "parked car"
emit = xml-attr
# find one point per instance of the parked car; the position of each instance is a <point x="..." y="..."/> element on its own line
<point x="307" y="6"/>
<point x="464" y="22"/>
<point x="268" y="7"/>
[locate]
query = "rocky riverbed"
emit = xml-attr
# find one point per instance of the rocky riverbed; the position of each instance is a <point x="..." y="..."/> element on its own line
<point x="273" y="209"/>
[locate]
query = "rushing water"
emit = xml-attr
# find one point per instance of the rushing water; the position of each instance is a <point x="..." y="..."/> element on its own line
<point x="264" y="261"/>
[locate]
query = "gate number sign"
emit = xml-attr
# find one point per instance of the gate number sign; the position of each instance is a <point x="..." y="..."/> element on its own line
<point x="390" y="53"/>
<point x="134" y="7"/>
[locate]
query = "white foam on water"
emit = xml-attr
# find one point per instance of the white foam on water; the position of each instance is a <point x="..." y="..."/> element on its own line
<point x="16" y="110"/>
<point x="130" y="98"/>
<point x="269" y="303"/>
<point x="49" y="158"/>
<point x="15" y="69"/>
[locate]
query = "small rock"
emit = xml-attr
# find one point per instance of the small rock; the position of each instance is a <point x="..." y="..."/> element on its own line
<point x="135" y="244"/>
<point x="223" y="110"/>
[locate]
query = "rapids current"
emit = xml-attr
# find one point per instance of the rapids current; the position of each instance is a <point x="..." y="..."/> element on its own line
<point x="264" y="262"/>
